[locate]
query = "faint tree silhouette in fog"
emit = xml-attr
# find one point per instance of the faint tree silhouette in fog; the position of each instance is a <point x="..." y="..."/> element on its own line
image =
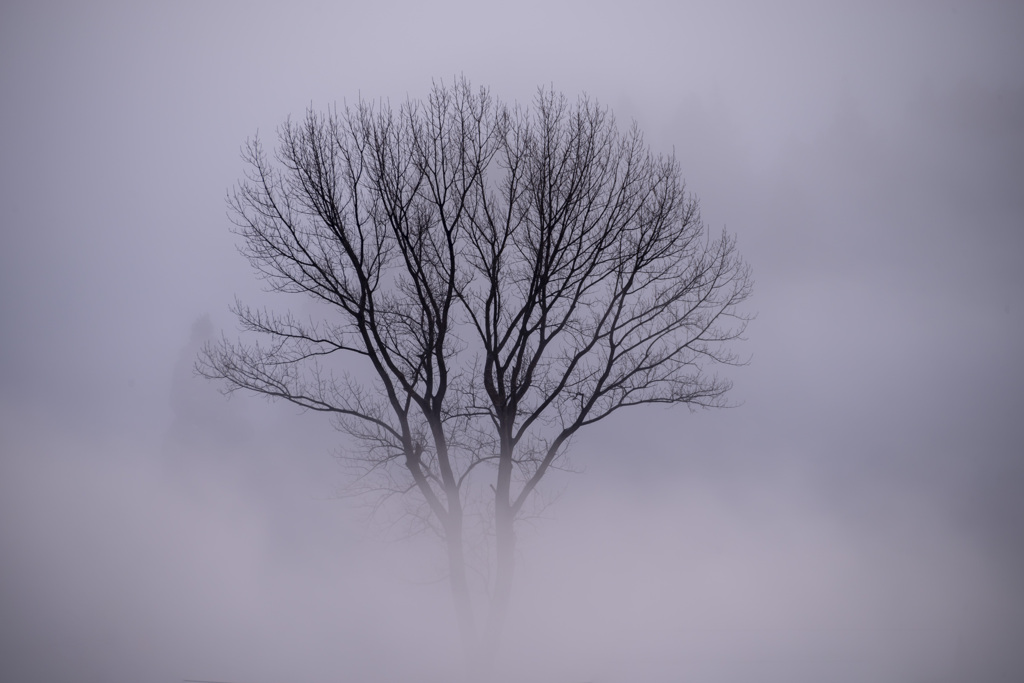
<point x="503" y="275"/>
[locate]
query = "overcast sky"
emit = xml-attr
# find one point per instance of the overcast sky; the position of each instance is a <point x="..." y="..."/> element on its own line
<point x="858" y="517"/>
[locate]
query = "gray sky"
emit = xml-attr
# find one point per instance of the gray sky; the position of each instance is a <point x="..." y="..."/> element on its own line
<point x="858" y="518"/>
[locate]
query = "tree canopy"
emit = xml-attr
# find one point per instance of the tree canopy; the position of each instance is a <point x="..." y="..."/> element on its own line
<point x="494" y="278"/>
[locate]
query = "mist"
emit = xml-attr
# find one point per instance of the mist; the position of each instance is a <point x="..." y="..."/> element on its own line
<point x="856" y="516"/>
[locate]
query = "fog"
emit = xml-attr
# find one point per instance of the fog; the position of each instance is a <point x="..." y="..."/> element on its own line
<point x="856" y="517"/>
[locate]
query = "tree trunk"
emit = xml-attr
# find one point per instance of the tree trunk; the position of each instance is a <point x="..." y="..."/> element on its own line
<point x="505" y="548"/>
<point x="460" y="591"/>
<point x="505" y="560"/>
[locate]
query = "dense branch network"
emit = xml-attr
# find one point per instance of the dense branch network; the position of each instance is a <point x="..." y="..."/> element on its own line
<point x="505" y="276"/>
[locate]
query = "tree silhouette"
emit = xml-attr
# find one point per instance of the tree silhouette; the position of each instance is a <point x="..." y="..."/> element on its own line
<point x="502" y="277"/>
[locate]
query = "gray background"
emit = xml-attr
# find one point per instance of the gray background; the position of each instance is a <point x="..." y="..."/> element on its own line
<point x="858" y="518"/>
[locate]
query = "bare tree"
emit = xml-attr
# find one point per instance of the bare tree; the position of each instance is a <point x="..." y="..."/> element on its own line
<point x="507" y="276"/>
